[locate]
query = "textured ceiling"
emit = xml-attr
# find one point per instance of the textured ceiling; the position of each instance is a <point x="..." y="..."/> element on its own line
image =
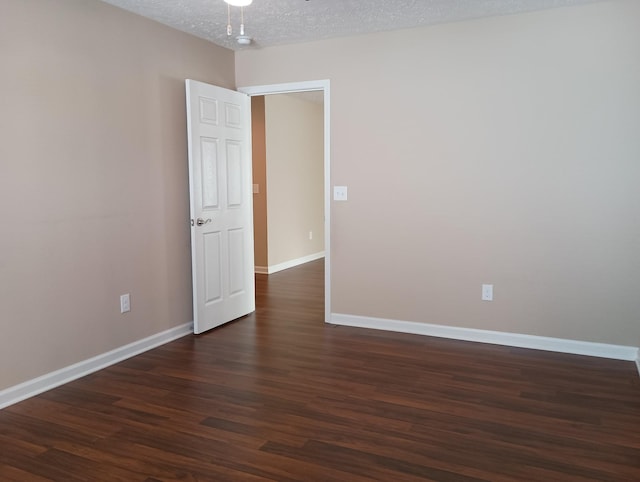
<point x="274" y="22"/>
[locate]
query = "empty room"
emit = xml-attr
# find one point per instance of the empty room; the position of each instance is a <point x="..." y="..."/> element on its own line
<point x="462" y="305"/>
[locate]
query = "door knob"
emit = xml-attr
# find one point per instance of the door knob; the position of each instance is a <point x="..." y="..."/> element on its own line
<point x="202" y="222"/>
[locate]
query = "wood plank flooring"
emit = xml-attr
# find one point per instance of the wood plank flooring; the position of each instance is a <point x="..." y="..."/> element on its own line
<point x="279" y="395"/>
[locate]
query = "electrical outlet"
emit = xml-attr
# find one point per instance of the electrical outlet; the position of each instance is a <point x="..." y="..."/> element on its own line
<point x="310" y="235"/>
<point x="125" y="303"/>
<point x="487" y="292"/>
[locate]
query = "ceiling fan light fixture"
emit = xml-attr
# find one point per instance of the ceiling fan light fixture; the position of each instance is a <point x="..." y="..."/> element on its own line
<point x="239" y="3"/>
<point x="241" y="39"/>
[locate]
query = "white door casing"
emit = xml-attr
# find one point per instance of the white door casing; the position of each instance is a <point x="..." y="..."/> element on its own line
<point x="219" y="141"/>
<point x="304" y="86"/>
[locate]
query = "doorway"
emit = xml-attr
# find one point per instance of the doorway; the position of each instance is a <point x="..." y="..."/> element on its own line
<point x="288" y="179"/>
<point x="322" y="87"/>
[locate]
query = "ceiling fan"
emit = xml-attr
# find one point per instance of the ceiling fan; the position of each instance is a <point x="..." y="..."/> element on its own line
<point x="242" y="38"/>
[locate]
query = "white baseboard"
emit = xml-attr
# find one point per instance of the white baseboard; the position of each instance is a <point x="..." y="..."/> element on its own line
<point x="602" y="350"/>
<point x="54" y="379"/>
<point x="288" y="264"/>
<point x="638" y="362"/>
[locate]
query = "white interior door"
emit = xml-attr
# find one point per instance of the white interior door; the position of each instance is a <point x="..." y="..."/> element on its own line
<point x="219" y="139"/>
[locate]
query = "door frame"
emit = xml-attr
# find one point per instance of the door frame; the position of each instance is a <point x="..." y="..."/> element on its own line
<point x="306" y="86"/>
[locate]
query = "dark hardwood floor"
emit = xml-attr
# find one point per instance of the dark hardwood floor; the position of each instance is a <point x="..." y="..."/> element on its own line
<point x="279" y="395"/>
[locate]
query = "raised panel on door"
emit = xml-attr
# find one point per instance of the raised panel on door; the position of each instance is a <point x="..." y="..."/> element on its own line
<point x="236" y="261"/>
<point x="212" y="256"/>
<point x="208" y="111"/>
<point x="209" y="172"/>
<point x="232" y="115"/>
<point x="234" y="174"/>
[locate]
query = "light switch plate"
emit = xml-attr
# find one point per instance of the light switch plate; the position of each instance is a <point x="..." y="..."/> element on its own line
<point x="339" y="193"/>
<point x="125" y="303"/>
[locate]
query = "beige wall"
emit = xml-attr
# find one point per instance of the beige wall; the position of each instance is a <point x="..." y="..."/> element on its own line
<point x="259" y="158"/>
<point x="93" y="179"/>
<point x="295" y="177"/>
<point x="502" y="150"/>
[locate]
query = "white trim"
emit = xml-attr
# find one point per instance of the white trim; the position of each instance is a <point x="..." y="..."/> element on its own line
<point x="288" y="264"/>
<point x="292" y="263"/>
<point x="638" y="362"/>
<point x="602" y="350"/>
<point x="33" y="387"/>
<point x="285" y="88"/>
<point x="306" y="86"/>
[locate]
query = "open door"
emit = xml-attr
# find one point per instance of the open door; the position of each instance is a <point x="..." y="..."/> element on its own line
<point x="219" y="140"/>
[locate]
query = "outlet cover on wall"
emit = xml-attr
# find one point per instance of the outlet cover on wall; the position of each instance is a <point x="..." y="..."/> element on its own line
<point x="487" y="292"/>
